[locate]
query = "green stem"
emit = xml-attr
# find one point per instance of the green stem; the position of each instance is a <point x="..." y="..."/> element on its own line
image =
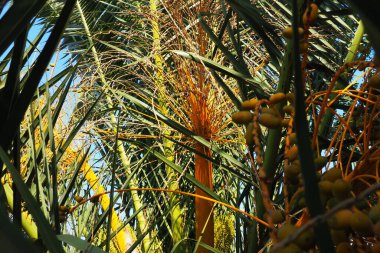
<point x="272" y="146"/>
<point x="312" y="194"/>
<point x="27" y="222"/>
<point x="327" y="118"/>
<point x="142" y="222"/>
<point x="176" y="215"/>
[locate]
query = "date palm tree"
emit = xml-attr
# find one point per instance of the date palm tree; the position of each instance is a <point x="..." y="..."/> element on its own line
<point x="152" y="90"/>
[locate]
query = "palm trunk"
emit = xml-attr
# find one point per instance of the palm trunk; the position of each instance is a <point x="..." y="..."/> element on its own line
<point x="204" y="216"/>
<point x="204" y="209"/>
